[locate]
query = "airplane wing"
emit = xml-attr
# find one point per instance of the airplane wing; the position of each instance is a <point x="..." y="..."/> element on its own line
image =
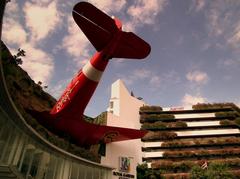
<point x="85" y="133"/>
<point x="96" y="25"/>
<point x="107" y="134"/>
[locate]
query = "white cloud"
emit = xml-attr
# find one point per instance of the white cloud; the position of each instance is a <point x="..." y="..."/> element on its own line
<point x="214" y="24"/>
<point x="206" y="46"/>
<point x="189" y="100"/>
<point x="41" y="20"/>
<point x="109" y="5"/>
<point x="155" y="81"/>
<point x="42" y="2"/>
<point x="76" y="44"/>
<point x="144" y="12"/>
<point x="231" y="62"/>
<point x="234" y="40"/>
<point x="141" y="73"/>
<point x="12" y="9"/>
<point x="150" y="78"/>
<point x="57" y="89"/>
<point x="197" y="5"/>
<point x="136" y="75"/>
<point x="223" y="22"/>
<point x="13" y="32"/>
<point x="198" y="77"/>
<point x="38" y="64"/>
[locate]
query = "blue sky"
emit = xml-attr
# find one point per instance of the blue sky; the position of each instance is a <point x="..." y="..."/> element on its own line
<point x="195" y="44"/>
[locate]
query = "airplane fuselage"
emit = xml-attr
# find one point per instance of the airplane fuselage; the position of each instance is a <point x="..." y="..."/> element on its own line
<point x="106" y="35"/>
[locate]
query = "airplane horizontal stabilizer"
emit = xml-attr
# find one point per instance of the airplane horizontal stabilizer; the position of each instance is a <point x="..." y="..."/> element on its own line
<point x="131" y="46"/>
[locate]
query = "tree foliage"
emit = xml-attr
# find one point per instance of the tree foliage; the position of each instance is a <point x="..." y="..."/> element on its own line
<point x="215" y="170"/>
<point x="17" y="58"/>
<point x="143" y="172"/>
<point x="198" y="173"/>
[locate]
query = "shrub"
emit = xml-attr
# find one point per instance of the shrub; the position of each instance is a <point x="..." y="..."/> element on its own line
<point x="203" y="106"/>
<point x="150" y="108"/>
<point x="159" y="136"/>
<point x="155" y="125"/>
<point x="143" y="172"/>
<point x="230" y="114"/>
<point x="226" y="122"/>
<point x="218" y="171"/>
<point x="237" y="121"/>
<point x="181" y="124"/>
<point x="156" y="117"/>
<point x="201" y="153"/>
<point x="163" y="125"/>
<point x="197" y="173"/>
<point x="175" y="166"/>
<point x="199" y="142"/>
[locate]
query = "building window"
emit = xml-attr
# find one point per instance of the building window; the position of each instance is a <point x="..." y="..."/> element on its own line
<point x="111" y="104"/>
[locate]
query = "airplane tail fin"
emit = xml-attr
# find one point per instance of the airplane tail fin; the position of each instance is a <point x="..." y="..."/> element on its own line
<point x="101" y="29"/>
<point x="96" y="25"/>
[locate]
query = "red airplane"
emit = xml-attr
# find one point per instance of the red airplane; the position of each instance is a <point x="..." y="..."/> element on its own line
<point x="106" y="35"/>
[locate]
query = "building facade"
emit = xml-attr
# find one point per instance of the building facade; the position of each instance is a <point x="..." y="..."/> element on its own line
<point x="178" y="138"/>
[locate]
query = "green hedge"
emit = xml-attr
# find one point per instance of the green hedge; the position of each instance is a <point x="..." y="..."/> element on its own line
<point x="200" y="142"/>
<point x="171" y="166"/>
<point x="227" y="122"/>
<point x="204" y="106"/>
<point x="201" y="153"/>
<point x="156" y="125"/>
<point x="163" y="125"/>
<point x="156" y="117"/>
<point x="237" y="121"/>
<point x="150" y="136"/>
<point x="230" y="114"/>
<point x="150" y="108"/>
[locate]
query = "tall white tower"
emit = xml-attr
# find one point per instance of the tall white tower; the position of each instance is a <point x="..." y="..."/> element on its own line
<point x="123" y="111"/>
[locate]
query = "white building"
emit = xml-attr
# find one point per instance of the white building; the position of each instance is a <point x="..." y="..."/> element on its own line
<point x="123" y="112"/>
<point x="202" y="128"/>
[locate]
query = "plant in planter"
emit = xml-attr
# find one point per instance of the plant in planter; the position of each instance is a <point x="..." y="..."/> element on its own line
<point x="156" y="117"/>
<point x="159" y="136"/>
<point x="150" y="108"/>
<point x="181" y="124"/>
<point x="230" y="114"/>
<point x="155" y="125"/>
<point x="227" y="122"/>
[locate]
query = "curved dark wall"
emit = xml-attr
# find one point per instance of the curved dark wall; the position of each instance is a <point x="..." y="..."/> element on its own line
<point x="22" y="148"/>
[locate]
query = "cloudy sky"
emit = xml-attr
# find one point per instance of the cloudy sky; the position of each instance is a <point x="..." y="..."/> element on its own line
<point x="195" y="44"/>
